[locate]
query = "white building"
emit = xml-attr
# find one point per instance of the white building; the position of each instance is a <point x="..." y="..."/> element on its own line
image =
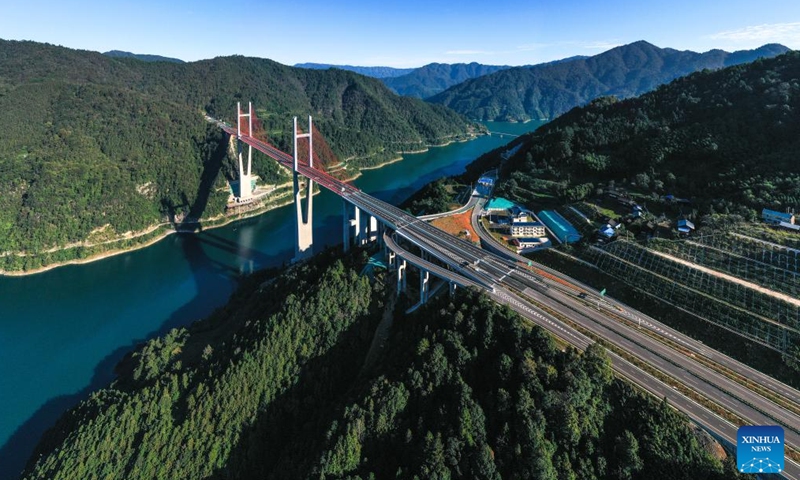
<point x="527" y="229"/>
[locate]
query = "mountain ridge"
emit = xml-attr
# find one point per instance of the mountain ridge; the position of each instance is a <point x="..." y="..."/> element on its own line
<point x="141" y="56"/>
<point x="433" y="78"/>
<point x="725" y="139"/>
<point x="548" y="90"/>
<point x="374" y="72"/>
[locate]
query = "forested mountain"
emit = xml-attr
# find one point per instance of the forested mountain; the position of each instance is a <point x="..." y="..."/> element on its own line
<point x="431" y="79"/>
<point x="141" y="56"/>
<point x="375" y="72"/>
<point x="548" y="90"/>
<point x="90" y="143"/>
<point x="279" y="384"/>
<point x="726" y="139"/>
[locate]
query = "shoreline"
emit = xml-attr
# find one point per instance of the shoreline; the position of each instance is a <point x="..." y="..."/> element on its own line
<point x="169" y="231"/>
<point x="234" y="218"/>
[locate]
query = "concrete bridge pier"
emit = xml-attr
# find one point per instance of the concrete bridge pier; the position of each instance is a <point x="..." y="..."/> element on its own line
<point x="350" y="219"/>
<point x="381" y="231"/>
<point x="424" y="286"/>
<point x="401" y="275"/>
<point x="391" y="262"/>
<point x="452" y="289"/>
<point x="371" y="230"/>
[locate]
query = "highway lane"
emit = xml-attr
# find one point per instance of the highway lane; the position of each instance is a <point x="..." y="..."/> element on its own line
<point x="483" y="264"/>
<point x="474" y="198"/>
<point x="430" y="267"/>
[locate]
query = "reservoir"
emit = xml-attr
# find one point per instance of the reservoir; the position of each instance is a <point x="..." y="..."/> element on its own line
<point x="63" y="331"/>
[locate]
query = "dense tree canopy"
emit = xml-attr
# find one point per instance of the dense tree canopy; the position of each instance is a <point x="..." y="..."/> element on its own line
<point x="272" y="386"/>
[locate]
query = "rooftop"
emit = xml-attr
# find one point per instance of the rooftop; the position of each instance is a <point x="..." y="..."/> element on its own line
<point x="499" y="203"/>
<point x="528" y="224"/>
<point x="773" y="213"/>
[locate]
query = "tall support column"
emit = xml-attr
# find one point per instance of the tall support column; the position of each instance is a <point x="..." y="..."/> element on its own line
<point x="391" y="260"/>
<point x="401" y="275"/>
<point x="356" y="223"/>
<point x="424" y="285"/>
<point x="452" y="289"/>
<point x="346" y="225"/>
<point x="245" y="176"/>
<point x="304" y="233"/>
<point x="381" y="231"/>
<point x="372" y="229"/>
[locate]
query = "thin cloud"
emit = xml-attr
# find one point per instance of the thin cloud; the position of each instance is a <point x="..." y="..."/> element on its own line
<point x="601" y="45"/>
<point x="778" y="32"/>
<point x="537" y="46"/>
<point x="594" y="45"/>
<point x="468" y="52"/>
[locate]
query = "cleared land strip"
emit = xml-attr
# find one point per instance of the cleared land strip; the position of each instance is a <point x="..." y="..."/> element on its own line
<point x="766" y="242"/>
<point x="730" y="278"/>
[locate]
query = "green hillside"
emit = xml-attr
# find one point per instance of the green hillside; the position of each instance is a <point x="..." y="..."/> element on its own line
<point x="548" y="90"/>
<point x="90" y="143"/>
<point x="275" y="385"/>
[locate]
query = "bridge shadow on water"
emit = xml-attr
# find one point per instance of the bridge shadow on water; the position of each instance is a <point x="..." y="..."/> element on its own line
<point x="215" y="280"/>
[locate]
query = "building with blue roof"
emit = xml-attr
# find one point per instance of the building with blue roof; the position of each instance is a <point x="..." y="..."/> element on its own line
<point x="560" y="227"/>
<point x="685" y="226"/>
<point x="498" y="204"/>
<point x="771" y="216"/>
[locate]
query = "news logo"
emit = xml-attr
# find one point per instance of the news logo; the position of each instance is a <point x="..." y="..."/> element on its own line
<point x="759" y="449"/>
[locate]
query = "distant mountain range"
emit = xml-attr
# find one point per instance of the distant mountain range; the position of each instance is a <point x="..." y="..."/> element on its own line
<point x="727" y="139"/>
<point x="548" y="90"/>
<point x="375" y="72"/>
<point x="142" y="57"/>
<point x="431" y="79"/>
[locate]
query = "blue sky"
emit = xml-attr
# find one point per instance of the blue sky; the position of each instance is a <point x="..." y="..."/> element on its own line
<point x="399" y="34"/>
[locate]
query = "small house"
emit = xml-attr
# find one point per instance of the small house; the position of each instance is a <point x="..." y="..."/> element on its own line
<point x="771" y="216"/>
<point x="685" y="226"/>
<point x="607" y="231"/>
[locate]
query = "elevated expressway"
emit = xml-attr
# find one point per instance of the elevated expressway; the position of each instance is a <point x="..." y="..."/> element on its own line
<point x="559" y="311"/>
